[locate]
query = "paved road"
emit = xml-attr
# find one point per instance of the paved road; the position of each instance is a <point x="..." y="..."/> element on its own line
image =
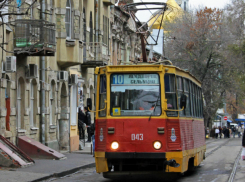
<point x="217" y="167"/>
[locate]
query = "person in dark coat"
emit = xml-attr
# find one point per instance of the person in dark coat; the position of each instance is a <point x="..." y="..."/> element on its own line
<point x="87" y="121"/>
<point x="81" y="118"/>
<point x="212" y="133"/>
<point x="243" y="138"/>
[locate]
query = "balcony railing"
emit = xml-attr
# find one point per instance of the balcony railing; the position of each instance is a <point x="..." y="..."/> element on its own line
<point x="109" y="2"/>
<point x="34" y="37"/>
<point x="98" y="54"/>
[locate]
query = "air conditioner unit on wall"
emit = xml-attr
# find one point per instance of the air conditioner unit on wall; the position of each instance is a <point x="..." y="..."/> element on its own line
<point x="10" y="64"/>
<point x="73" y="79"/>
<point x="63" y="76"/>
<point x="32" y="71"/>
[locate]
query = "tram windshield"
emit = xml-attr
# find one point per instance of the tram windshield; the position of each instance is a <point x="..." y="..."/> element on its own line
<point x="135" y="95"/>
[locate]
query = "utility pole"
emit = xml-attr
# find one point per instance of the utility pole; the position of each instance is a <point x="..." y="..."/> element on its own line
<point x="42" y="79"/>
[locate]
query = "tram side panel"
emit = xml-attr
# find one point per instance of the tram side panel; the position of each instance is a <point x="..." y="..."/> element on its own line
<point x="199" y="140"/>
<point x="100" y="145"/>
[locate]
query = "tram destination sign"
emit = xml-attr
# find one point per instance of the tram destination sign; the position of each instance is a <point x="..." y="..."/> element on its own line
<point x="134" y="79"/>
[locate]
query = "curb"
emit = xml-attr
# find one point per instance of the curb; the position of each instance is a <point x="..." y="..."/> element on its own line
<point x="64" y="173"/>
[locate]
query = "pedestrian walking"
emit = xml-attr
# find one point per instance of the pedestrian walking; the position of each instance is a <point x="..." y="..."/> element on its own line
<point x="87" y="121"/>
<point x="216" y="133"/>
<point x="230" y="131"/>
<point x="239" y="130"/>
<point x="207" y="133"/>
<point x="220" y="132"/>
<point x="234" y="131"/>
<point x="224" y="131"/>
<point x="243" y="145"/>
<point x="212" y="133"/>
<point x="81" y="118"/>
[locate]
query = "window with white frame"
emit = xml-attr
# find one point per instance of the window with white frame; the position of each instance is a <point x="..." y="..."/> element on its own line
<point x="18" y="124"/>
<point x="32" y="105"/>
<point x="74" y="105"/>
<point x="68" y="18"/>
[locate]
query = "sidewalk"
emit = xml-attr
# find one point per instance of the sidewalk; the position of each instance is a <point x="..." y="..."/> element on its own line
<point x="46" y="168"/>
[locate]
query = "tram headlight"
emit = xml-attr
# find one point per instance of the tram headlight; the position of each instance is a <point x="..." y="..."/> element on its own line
<point x="157" y="145"/>
<point x="114" y="145"/>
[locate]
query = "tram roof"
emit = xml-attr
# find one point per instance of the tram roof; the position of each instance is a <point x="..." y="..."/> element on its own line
<point x="148" y="68"/>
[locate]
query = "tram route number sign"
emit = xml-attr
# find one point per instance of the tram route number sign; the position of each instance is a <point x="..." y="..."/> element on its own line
<point x="125" y="79"/>
<point x="137" y="136"/>
<point x="225" y="118"/>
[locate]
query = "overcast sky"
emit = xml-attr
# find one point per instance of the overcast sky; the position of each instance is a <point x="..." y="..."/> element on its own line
<point x="193" y="4"/>
<point x="208" y="3"/>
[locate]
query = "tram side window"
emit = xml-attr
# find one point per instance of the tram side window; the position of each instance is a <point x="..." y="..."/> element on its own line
<point x="180" y="90"/>
<point x="192" y="99"/>
<point x="201" y="103"/>
<point x="170" y="94"/>
<point x="187" y="93"/>
<point x="195" y="99"/>
<point x="198" y="102"/>
<point x="102" y="95"/>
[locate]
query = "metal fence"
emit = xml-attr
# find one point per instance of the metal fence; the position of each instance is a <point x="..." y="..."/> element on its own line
<point x="33" y="34"/>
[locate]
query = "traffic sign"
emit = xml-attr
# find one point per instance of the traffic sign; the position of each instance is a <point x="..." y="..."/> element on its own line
<point x="225" y="118"/>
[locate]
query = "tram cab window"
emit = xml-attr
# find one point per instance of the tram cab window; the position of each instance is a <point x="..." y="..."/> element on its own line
<point x="170" y="94"/>
<point x="102" y="96"/>
<point x="135" y="95"/>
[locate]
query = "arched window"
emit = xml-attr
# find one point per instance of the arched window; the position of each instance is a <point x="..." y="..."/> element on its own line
<point x="33" y="103"/>
<point x="73" y="105"/>
<point x="68" y="18"/>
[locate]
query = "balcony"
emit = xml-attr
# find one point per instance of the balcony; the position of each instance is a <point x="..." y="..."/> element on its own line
<point x="97" y="55"/>
<point x="109" y="2"/>
<point x="34" y="38"/>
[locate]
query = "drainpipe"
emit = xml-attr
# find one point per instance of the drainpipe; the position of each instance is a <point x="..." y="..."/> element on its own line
<point x="96" y="50"/>
<point x="69" y="123"/>
<point x="42" y="96"/>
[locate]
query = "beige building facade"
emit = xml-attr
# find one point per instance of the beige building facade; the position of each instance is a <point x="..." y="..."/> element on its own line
<point x="78" y="35"/>
<point x="69" y="70"/>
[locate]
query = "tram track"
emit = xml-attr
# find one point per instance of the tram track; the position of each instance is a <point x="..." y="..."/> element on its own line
<point x="215" y="149"/>
<point x="233" y="172"/>
<point x="234" y="168"/>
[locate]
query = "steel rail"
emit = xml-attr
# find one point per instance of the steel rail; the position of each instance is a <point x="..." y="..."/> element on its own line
<point x="233" y="172"/>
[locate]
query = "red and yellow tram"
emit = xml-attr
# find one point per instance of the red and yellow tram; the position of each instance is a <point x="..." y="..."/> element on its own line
<point x="140" y="125"/>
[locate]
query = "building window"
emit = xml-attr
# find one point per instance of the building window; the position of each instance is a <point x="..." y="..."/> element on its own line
<point x="68" y="18"/>
<point x="51" y="11"/>
<point x="84" y="35"/>
<point x="105" y="29"/>
<point x="52" y="104"/>
<point x="73" y="105"/>
<point x="31" y="105"/>
<point x="91" y="27"/>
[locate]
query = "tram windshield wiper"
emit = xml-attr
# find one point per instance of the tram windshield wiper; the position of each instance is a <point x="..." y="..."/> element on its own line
<point x="154" y="107"/>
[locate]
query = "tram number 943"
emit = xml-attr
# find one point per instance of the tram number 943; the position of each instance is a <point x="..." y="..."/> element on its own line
<point x="137" y="136"/>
